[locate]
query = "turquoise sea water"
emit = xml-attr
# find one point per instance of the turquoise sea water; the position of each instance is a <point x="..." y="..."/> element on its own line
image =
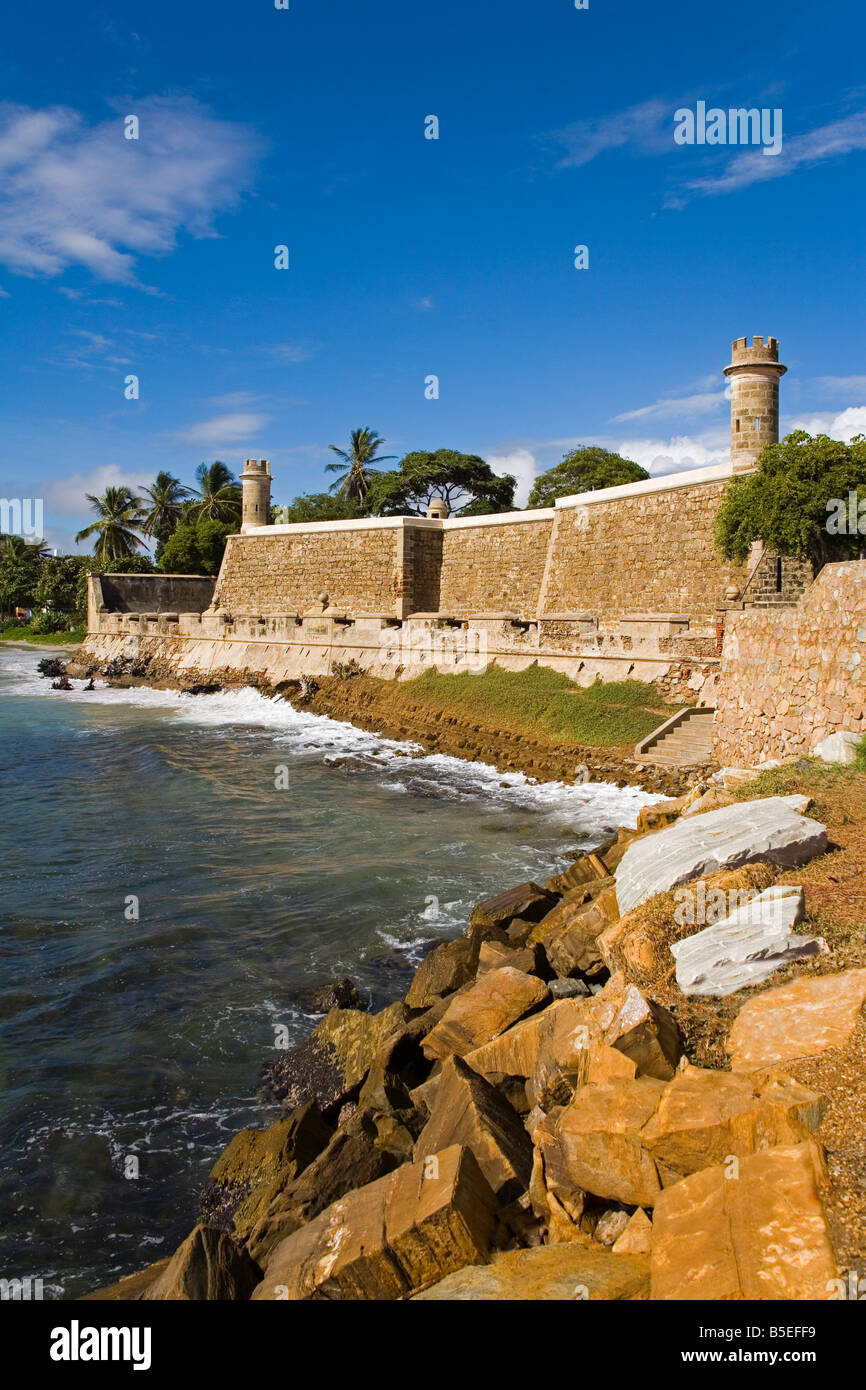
<point x="132" y="1043"/>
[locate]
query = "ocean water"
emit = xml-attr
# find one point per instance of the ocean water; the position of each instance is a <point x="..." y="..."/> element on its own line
<point x="176" y="873"/>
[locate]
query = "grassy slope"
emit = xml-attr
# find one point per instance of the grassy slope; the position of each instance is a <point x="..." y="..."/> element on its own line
<point x="542" y="701"/>
<point x="17" y="633"/>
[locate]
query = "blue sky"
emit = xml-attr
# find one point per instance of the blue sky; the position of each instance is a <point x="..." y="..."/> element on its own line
<point x="411" y="257"/>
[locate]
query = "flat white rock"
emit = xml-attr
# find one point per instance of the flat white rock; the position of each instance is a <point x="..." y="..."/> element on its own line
<point x="838" y="748"/>
<point x="747" y="946"/>
<point x="770" y="829"/>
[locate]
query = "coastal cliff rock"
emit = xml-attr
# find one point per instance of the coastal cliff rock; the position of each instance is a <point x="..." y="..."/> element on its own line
<point x="759" y="1233"/>
<point x="467" y="1110"/>
<point x="258" y="1164"/>
<point x="332" y="1063"/>
<point x="391" y="1238"/>
<point x="483" y="1011"/>
<point x="800" y="1019"/>
<point x="207" y="1266"/>
<point x="562" y="1273"/>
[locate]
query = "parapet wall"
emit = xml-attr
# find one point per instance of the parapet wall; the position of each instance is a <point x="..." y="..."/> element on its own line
<point x="495" y="564"/>
<point x="147" y="593"/>
<point x="643" y="549"/>
<point x="789" y="677"/>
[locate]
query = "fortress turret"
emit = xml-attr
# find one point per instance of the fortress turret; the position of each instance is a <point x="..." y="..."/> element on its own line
<point x="256" y="493"/>
<point x="754" y="373"/>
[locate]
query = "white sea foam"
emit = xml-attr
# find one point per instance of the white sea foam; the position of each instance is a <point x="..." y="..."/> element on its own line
<point x="400" y="767"/>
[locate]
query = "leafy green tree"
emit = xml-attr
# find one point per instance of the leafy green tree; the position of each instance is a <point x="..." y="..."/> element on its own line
<point x="196" y="547"/>
<point x="807" y="499"/>
<point x="465" y="481"/>
<point x="20" y="566"/>
<point x="218" y="497"/>
<point x="356" y="471"/>
<point x="163" y="504"/>
<point x="584" y="470"/>
<point x="319" y="506"/>
<point x="119" y="520"/>
<point x="59" y="582"/>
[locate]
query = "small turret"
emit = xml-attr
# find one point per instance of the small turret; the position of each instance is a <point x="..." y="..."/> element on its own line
<point x="256" y="493"/>
<point x="754" y="373"/>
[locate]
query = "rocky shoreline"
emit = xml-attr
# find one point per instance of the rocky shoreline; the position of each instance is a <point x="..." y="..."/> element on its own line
<point x="566" y="1103"/>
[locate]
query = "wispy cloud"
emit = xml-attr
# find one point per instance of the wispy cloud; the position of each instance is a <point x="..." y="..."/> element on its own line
<point x="232" y="428"/>
<point x="292" y="352"/>
<point x="79" y="195"/>
<point x="843" y="385"/>
<point x="677" y="407"/>
<point x="646" y="128"/>
<point x="830" y="141"/>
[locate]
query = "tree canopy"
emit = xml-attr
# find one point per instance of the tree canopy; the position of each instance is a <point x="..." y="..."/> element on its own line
<point x="319" y="506"/>
<point x="465" y="481"/>
<point x="355" y="470"/>
<point x="584" y="470"/>
<point x="119" y="522"/>
<point x="805" y="500"/>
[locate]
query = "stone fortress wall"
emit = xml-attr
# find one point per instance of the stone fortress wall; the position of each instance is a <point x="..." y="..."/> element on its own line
<point x="619" y="583"/>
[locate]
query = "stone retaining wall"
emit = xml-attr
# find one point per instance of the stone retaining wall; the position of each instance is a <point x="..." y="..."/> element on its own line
<point x="790" y="677"/>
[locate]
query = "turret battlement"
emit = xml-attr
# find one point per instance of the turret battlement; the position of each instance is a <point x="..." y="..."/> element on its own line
<point x="256" y="493"/>
<point x="754" y="372"/>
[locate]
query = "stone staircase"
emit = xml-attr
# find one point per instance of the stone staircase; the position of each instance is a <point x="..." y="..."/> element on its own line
<point x="682" y="741"/>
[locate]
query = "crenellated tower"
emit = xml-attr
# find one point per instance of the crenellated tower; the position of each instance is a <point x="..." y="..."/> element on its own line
<point x="256" y="493"/>
<point x="754" y="373"/>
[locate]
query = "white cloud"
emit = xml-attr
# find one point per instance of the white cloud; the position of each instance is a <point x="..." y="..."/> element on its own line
<point x="847" y="385"/>
<point x="648" y="127"/>
<point x="814" y="147"/>
<point x="232" y="428"/>
<point x="291" y="352"/>
<point x="838" y="425"/>
<point x="677" y="453"/>
<point x="73" y="194"/>
<point x="521" y="464"/>
<point x="685" y="407"/>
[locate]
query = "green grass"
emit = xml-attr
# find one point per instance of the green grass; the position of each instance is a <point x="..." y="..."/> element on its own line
<point x="19" y="632"/>
<point x="547" y="702"/>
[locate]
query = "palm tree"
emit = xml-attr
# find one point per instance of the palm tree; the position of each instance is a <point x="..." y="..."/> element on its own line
<point x="18" y="548"/>
<point x="354" y="481"/>
<point x="219" y="494"/>
<point x="119" y="517"/>
<point x="163" y="502"/>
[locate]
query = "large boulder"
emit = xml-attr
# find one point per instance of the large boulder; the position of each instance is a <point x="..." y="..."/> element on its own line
<point x="594" y="1144"/>
<point x="799" y="1019"/>
<point x="391" y="1238"/>
<point x="330" y="1065"/>
<point x="467" y="1110"/>
<point x="747" y="946"/>
<point x="569" y="933"/>
<point x="561" y="1273"/>
<point x="483" y="1011"/>
<point x="757" y="1233"/>
<point x="258" y="1164"/>
<point x="528" y="901"/>
<point x="442" y="971"/>
<point x="705" y="1117"/>
<point x="770" y="829"/>
<point x="208" y="1266"/>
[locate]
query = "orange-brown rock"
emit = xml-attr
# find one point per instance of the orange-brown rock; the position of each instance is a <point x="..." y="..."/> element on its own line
<point x="527" y="901"/>
<point x="637" y="1237"/>
<point x="704" y="1117"/>
<point x="569" y="935"/>
<point x="638" y="1027"/>
<point x="467" y="1110"/>
<point x="588" y="869"/>
<point x="391" y="1238"/>
<point x="208" y="1266"/>
<point x="761" y="1234"/>
<point x="799" y="1019"/>
<point x="565" y="1273"/>
<point x="593" y="1144"/>
<point x="483" y="1011"/>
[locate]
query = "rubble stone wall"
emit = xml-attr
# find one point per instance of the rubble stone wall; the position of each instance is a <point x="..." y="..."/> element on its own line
<point x="792" y="676"/>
